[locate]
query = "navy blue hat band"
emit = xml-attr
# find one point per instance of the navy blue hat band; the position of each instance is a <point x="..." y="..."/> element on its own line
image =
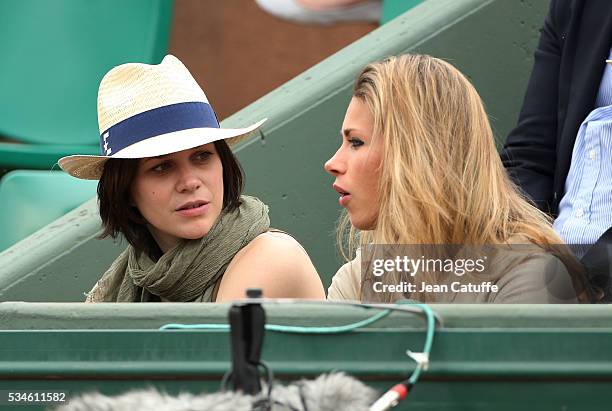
<point x="162" y="120"/>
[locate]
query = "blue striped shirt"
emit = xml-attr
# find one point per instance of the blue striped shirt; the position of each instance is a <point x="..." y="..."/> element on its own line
<point x="585" y="211"/>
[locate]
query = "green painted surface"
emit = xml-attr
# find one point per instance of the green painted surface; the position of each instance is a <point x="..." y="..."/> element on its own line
<point x="54" y="56"/>
<point x="394" y="8"/>
<point x="483" y="357"/>
<point x="490" y="40"/>
<point x="39" y="156"/>
<point x="123" y="316"/>
<point x="59" y="262"/>
<point x="31" y="199"/>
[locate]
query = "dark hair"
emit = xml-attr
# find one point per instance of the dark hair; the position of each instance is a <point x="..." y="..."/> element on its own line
<point x="119" y="216"/>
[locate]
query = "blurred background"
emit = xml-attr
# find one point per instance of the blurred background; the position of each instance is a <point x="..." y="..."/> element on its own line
<point x="238" y="52"/>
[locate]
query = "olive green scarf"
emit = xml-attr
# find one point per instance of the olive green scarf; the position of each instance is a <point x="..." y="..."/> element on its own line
<point x="189" y="271"/>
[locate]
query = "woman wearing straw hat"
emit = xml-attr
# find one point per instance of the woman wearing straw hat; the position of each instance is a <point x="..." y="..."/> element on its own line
<point x="171" y="186"/>
<point x="418" y="166"/>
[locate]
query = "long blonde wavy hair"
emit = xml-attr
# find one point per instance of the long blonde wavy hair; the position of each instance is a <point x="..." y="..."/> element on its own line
<point x="441" y="178"/>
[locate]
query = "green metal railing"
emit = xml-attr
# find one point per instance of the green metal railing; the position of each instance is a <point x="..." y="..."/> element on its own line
<point x="545" y="357"/>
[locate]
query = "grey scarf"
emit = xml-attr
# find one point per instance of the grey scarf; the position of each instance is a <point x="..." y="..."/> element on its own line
<point x="190" y="270"/>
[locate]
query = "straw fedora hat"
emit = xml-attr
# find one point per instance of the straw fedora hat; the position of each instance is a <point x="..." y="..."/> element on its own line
<point x="150" y="110"/>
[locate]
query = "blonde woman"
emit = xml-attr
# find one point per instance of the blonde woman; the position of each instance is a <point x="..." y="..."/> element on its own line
<point x="418" y="165"/>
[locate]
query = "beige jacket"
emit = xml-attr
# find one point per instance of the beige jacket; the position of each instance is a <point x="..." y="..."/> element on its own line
<point x="540" y="278"/>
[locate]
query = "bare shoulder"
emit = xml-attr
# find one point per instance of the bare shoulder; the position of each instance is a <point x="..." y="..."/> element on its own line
<point x="276" y="253"/>
<point x="276" y="263"/>
<point x="272" y="241"/>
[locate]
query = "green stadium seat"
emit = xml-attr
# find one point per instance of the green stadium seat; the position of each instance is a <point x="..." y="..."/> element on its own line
<point x="54" y="54"/>
<point x="393" y="8"/>
<point x="31" y="199"/>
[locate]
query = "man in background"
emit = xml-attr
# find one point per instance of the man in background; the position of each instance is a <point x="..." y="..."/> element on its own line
<point x="560" y="152"/>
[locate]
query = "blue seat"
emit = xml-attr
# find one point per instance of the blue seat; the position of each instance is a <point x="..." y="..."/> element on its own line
<point x="31" y="199"/>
